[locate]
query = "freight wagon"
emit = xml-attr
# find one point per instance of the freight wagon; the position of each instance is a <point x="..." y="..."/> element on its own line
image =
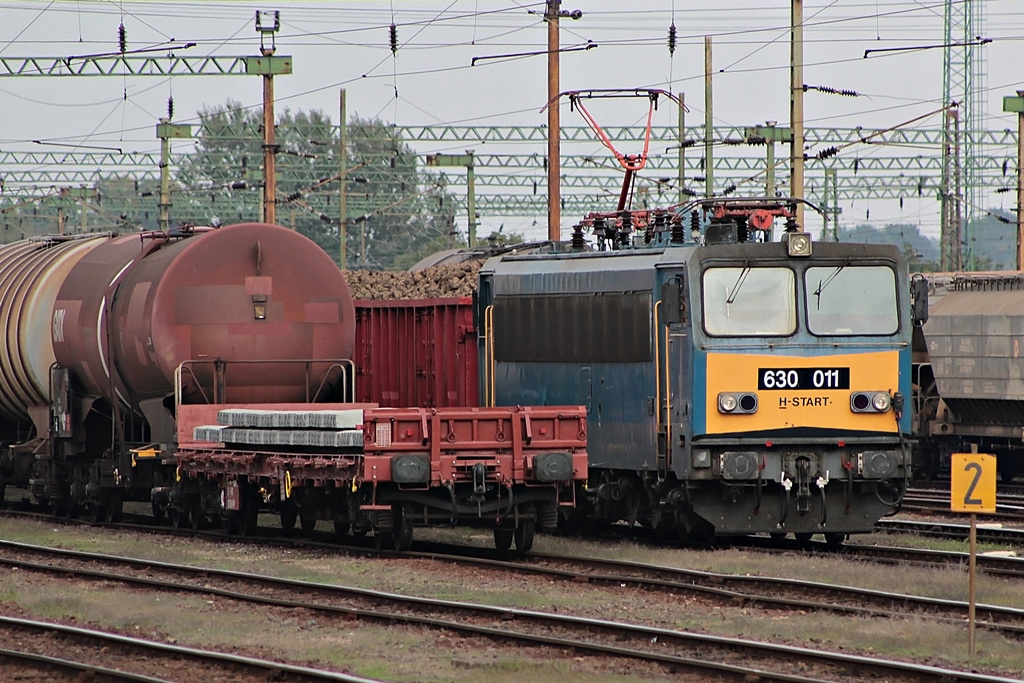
<point x="209" y="373"/>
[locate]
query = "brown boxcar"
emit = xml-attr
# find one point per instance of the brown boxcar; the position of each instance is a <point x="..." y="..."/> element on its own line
<point x="417" y="353"/>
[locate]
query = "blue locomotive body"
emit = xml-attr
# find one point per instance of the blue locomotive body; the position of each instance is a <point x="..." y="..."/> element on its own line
<point x="730" y="388"/>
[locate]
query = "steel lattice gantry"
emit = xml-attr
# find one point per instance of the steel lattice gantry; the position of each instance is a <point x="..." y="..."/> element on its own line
<point x="513" y="182"/>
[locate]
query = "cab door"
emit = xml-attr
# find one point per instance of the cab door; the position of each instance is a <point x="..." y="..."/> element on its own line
<point x="671" y="345"/>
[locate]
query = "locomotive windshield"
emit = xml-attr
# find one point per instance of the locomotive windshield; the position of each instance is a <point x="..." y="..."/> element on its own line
<point x="851" y="300"/>
<point x="743" y="302"/>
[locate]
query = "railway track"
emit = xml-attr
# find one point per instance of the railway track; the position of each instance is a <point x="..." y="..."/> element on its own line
<point x="675" y="650"/>
<point x="109" y="656"/>
<point x="1009" y="503"/>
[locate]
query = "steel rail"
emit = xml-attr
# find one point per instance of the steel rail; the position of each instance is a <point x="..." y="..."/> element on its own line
<point x="220" y="658"/>
<point x="81" y="667"/>
<point x="642" y="633"/>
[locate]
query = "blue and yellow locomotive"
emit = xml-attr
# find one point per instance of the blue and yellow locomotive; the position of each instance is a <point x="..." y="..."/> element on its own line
<point x="733" y="384"/>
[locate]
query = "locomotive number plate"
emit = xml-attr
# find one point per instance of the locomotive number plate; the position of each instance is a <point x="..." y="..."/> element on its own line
<point x="803" y="378"/>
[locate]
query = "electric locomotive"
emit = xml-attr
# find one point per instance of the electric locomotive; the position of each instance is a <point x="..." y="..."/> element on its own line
<point x="734" y="384"/>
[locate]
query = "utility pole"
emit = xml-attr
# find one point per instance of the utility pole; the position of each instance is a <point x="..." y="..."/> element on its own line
<point x="343" y="183"/>
<point x="165" y="131"/>
<point x="1016" y="104"/>
<point x="796" y="109"/>
<point x="467" y="161"/>
<point x="269" y="140"/>
<point x="709" y="127"/>
<point x="554" y="126"/>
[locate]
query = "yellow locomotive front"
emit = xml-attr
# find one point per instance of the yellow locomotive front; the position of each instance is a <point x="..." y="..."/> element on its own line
<point x="800" y="363"/>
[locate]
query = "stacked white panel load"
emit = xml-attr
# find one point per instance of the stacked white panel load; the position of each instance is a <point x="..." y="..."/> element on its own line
<point x="305" y="428"/>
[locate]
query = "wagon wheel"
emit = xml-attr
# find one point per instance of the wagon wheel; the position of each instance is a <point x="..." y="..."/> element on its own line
<point x="383" y="540"/>
<point x="524" y="532"/>
<point x="289" y="514"/>
<point x="502" y="538"/>
<point x="114" y="507"/>
<point x="195" y="512"/>
<point x="179" y="517"/>
<point x="777" y="535"/>
<point x="341" y="525"/>
<point x="307" y="523"/>
<point x="402" y="539"/>
<point x="96" y="513"/>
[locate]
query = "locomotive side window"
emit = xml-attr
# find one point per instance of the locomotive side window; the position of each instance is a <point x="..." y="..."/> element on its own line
<point x="847" y="299"/>
<point x="746" y="301"/>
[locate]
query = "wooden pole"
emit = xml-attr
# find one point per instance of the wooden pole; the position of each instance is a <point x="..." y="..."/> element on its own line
<point x="971" y="583"/>
<point x="709" y="127"/>
<point x="554" y="126"/>
<point x="796" y="109"/>
<point x="1020" y="186"/>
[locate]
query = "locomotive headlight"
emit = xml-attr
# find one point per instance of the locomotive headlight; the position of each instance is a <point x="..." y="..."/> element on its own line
<point x="880" y="402"/>
<point x="798" y="243"/>
<point x="732" y="402"/>
<point x="870" y="401"/>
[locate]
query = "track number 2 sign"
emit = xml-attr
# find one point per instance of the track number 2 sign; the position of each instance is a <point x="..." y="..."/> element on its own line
<point x="973" y="482"/>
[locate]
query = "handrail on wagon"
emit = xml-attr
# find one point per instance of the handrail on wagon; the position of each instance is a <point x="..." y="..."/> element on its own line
<point x="187" y="369"/>
<point x="489" y="363"/>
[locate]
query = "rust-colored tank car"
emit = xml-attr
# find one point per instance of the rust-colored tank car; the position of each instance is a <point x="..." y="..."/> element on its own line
<point x="96" y="328"/>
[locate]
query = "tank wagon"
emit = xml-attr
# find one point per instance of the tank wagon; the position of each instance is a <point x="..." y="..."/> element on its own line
<point x="733" y="384"/>
<point x="969" y="370"/>
<point x="208" y="372"/>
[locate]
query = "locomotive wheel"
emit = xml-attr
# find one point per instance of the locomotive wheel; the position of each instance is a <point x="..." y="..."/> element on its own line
<point x="777" y="535"/>
<point x="307" y="523"/>
<point x="502" y="538"/>
<point x="835" y="541"/>
<point x="803" y="538"/>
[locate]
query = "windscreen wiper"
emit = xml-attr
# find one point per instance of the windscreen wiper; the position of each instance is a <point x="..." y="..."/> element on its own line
<point x="739" y="283"/>
<point x="822" y="285"/>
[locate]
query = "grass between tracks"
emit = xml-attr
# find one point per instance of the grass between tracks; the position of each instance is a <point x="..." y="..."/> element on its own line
<point x="398" y="653"/>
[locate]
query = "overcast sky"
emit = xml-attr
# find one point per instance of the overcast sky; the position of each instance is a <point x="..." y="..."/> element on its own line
<point x="430" y="80"/>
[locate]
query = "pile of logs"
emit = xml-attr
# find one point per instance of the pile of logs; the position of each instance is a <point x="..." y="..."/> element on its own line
<point x="438" y="282"/>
